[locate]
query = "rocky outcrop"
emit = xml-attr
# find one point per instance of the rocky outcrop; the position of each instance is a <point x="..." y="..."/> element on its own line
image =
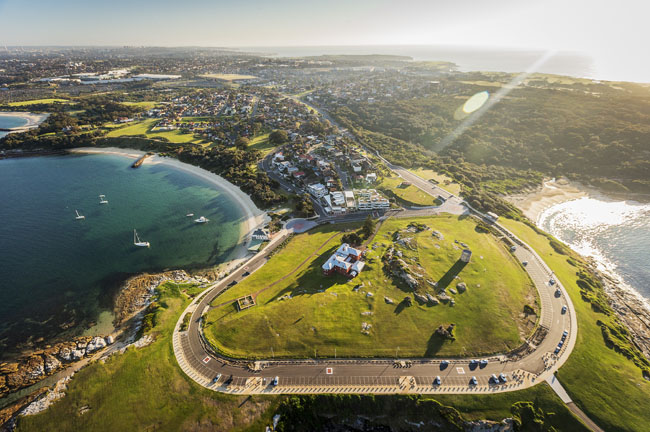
<point x="139" y="290"/>
<point x="28" y="370"/>
<point x="461" y="287"/>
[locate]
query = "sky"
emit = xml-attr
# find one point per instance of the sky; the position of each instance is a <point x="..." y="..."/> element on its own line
<point x="613" y="33"/>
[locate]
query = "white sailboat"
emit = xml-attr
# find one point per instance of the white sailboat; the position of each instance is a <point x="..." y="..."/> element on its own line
<point x="102" y="199"/>
<point x="79" y="216"/>
<point x="138" y="242"/>
<point x="201" y="220"/>
<point x="189" y="214"/>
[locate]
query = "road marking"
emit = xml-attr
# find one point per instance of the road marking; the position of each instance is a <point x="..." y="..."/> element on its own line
<point x="460" y="370"/>
<point x="329" y="371"/>
<point x="206" y="359"/>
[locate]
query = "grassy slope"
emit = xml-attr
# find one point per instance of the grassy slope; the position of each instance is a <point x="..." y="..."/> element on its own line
<point x="262" y="143"/>
<point x="410" y="195"/>
<point x="608" y="387"/>
<point x="144" y="389"/>
<point x="144" y="127"/>
<point x="486" y="317"/>
<point x="428" y="174"/>
<point x="37" y="101"/>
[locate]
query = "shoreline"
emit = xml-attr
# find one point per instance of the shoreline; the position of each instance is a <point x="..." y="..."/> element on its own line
<point x="33" y="119"/>
<point x="254" y="216"/>
<point x="628" y="303"/>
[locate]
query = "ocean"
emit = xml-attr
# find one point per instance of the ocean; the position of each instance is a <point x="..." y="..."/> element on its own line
<point x="466" y="58"/>
<point x="615" y="233"/>
<point x="61" y="273"/>
<point x="7" y="122"/>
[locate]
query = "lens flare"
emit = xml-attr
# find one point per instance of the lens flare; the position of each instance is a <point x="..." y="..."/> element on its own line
<point x="475" y="102"/>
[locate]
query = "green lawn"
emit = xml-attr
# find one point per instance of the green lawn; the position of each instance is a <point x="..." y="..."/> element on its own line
<point x="325" y="313"/>
<point x="262" y="143"/>
<point x="408" y="195"/>
<point x="444" y="181"/>
<point x="144" y="128"/>
<point x="38" y="101"/>
<point x="144" y="389"/>
<point x="144" y="104"/>
<point x="603" y="383"/>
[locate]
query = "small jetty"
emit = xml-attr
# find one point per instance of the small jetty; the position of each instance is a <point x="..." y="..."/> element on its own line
<point x="140" y="160"/>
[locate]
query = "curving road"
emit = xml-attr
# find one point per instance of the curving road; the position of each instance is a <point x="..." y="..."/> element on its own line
<point x="535" y="361"/>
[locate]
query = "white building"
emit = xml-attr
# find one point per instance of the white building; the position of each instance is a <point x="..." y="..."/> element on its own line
<point x="317" y="190"/>
<point x="371" y="177"/>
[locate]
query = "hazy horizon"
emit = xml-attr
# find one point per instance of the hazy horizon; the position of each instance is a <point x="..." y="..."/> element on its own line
<point x="614" y="37"/>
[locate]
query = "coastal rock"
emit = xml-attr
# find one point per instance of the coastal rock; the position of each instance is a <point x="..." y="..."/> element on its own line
<point x="35" y="368"/>
<point x="65" y="354"/>
<point x="453" y="291"/>
<point x="432" y="284"/>
<point x="78" y="354"/>
<point x="51" y="364"/>
<point x="109" y="340"/>
<point x="410" y="280"/>
<point x="389" y="300"/>
<point x="462" y="287"/>
<point x="95" y="344"/>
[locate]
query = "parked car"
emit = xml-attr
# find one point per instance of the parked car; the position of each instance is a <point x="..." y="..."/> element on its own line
<point x="214" y="381"/>
<point x="473" y="381"/>
<point x="525" y="263"/>
<point x="558" y="292"/>
<point x="276" y="380"/>
<point x="513" y="248"/>
<point x="484" y="363"/>
<point x="563" y="309"/>
<point x="436" y="381"/>
<point x="503" y="378"/>
<point x="494" y="379"/>
<point x="444" y="364"/>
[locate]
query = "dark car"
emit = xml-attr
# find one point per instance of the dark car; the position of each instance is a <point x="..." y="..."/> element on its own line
<point x="563" y="309"/>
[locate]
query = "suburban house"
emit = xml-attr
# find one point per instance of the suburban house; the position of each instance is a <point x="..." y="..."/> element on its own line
<point x="346" y="261"/>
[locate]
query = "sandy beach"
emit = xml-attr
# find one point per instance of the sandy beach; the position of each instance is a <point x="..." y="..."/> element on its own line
<point x="552" y="192"/>
<point x="253" y="216"/>
<point x="33" y="119"/>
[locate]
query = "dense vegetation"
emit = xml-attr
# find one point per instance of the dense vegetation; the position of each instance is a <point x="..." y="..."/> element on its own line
<point x="592" y="132"/>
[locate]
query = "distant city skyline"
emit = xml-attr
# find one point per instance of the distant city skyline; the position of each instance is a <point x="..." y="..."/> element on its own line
<point x="613" y="34"/>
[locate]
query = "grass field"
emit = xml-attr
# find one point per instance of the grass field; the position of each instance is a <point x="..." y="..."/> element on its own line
<point x="603" y="383"/>
<point x="228" y="77"/>
<point x="408" y="195"/>
<point x="144" y="128"/>
<point x="445" y="182"/>
<point x="144" y="389"/>
<point x="38" y="101"/>
<point x="262" y="143"/>
<point x="325" y="313"/>
<point x="145" y="104"/>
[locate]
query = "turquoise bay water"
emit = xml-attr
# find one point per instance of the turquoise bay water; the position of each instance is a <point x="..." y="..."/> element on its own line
<point x="615" y="233"/>
<point x="58" y="272"/>
<point x="7" y="122"/>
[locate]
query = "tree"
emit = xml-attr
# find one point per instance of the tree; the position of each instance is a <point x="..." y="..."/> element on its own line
<point x="241" y="143"/>
<point x="352" y="239"/>
<point x="368" y="227"/>
<point x="305" y="207"/>
<point x="278" y="136"/>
